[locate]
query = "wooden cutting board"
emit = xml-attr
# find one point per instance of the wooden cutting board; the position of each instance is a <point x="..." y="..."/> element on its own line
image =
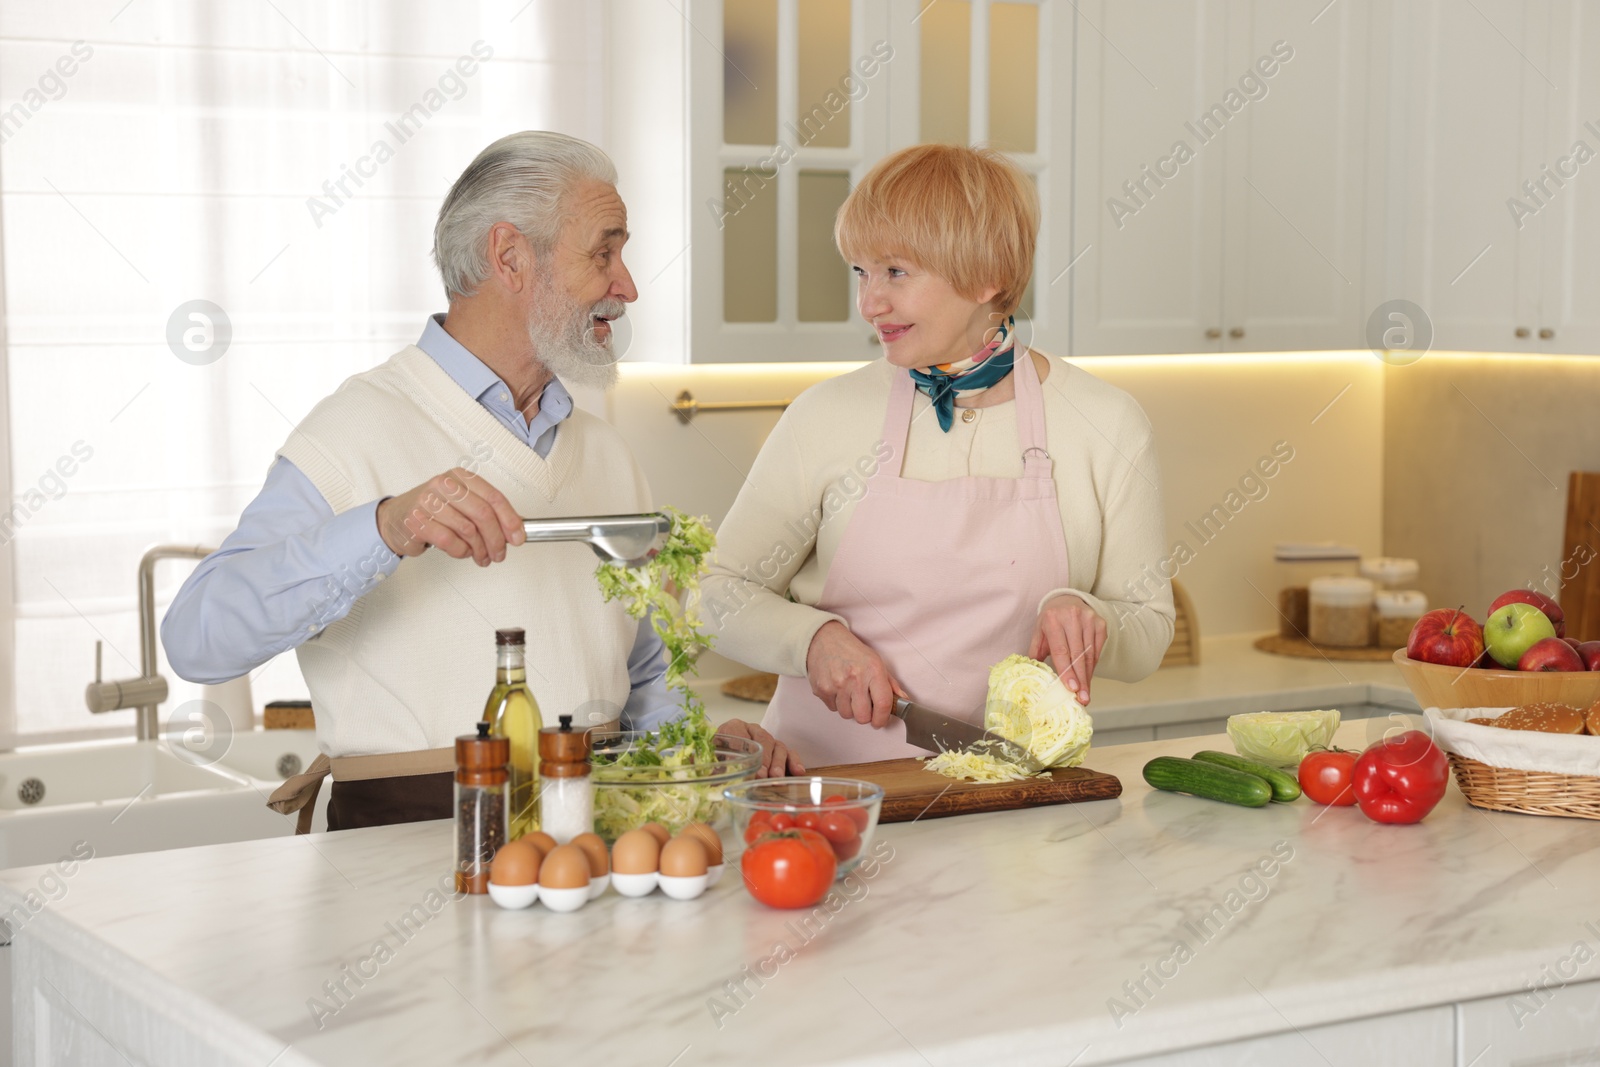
<point x="911" y="792"/>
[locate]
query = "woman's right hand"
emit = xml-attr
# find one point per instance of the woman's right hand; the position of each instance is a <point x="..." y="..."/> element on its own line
<point x="849" y="677"/>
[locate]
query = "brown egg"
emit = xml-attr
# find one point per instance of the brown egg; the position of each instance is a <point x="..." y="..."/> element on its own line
<point x="540" y="840"/>
<point x="657" y="831"/>
<point x="565" y="868"/>
<point x="684" y="857"/>
<point x="517" y="863"/>
<point x="595" y="849"/>
<point x="707" y="837"/>
<point x="636" y="852"/>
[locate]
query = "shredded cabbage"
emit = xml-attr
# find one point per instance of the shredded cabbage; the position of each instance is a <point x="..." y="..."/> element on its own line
<point x="980" y="765"/>
<point x="1026" y="704"/>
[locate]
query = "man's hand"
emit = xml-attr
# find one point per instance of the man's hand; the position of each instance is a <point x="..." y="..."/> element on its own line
<point x="1073" y="635"/>
<point x="776" y="759"/>
<point x="458" y="511"/>
<point x="849" y="677"/>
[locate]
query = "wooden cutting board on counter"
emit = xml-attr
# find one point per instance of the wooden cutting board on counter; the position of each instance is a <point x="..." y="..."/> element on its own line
<point x="911" y="792"/>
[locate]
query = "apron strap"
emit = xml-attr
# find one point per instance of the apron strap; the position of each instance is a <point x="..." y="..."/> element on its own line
<point x="897" y="425"/>
<point x="1030" y="413"/>
<point x="300" y="793"/>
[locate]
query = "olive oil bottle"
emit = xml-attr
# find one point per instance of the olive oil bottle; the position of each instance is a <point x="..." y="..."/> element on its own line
<point x="513" y="714"/>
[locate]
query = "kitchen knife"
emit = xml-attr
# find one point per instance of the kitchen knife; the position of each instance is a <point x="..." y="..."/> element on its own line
<point x="936" y="731"/>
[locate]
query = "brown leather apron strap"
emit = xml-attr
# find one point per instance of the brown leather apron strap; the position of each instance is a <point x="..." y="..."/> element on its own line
<point x="299" y="793"/>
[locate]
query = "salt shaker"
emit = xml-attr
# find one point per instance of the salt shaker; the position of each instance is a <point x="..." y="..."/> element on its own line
<point x="482" y="806"/>
<point x="566" y="792"/>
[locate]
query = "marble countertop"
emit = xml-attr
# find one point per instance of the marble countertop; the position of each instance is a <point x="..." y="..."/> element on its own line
<point x="1232" y="677"/>
<point x="1014" y="937"/>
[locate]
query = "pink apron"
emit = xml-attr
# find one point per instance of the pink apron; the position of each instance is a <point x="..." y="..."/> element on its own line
<point x="941" y="579"/>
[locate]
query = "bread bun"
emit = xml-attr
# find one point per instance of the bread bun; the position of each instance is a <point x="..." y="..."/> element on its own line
<point x="1482" y="722"/>
<point x="1545" y="717"/>
<point x="1591" y="720"/>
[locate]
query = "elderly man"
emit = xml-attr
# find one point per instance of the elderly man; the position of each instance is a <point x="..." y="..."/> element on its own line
<point x="449" y="445"/>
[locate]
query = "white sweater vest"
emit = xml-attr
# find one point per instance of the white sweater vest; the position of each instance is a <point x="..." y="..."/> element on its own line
<point x="412" y="663"/>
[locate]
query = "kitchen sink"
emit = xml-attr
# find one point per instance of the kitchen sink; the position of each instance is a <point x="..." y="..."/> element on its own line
<point x="270" y="755"/>
<point x="118" y="797"/>
<point x="116" y="772"/>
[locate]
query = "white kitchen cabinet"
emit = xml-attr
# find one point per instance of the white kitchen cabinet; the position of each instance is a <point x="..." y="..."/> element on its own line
<point x="1424" y="1038"/>
<point x="1555" y="1024"/>
<point x="1149" y="276"/>
<point x="1570" y="255"/>
<point x="1470" y="92"/>
<point x="1222" y="155"/>
<point x="1498" y="197"/>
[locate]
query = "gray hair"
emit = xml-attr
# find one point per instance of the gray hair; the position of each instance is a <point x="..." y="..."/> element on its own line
<point x="521" y="179"/>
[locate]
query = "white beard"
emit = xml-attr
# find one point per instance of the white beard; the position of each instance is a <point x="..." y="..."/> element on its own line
<point x="562" y="333"/>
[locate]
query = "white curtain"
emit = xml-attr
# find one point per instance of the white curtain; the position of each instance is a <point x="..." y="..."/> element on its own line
<point x="282" y="160"/>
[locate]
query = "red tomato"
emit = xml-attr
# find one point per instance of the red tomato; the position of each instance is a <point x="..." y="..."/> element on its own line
<point x="1325" y="777"/>
<point x="808" y="819"/>
<point x="840" y="830"/>
<point x="858" y="816"/>
<point x="782" y="821"/>
<point x="789" y="868"/>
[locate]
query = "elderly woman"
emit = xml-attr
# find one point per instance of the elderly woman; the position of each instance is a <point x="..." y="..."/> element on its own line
<point x="910" y="524"/>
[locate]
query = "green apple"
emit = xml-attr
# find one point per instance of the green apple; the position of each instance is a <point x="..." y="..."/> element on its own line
<point x="1514" y="629"/>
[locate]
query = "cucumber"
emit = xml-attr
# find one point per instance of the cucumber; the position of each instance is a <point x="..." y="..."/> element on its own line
<point x="1285" y="786"/>
<point x="1209" y="780"/>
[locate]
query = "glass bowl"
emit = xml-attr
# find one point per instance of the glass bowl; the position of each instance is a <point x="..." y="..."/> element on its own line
<point x="804" y="802"/>
<point x="626" y="797"/>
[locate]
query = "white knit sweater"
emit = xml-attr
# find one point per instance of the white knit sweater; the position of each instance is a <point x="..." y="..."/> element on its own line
<point x="412" y="663"/>
<point x="780" y="536"/>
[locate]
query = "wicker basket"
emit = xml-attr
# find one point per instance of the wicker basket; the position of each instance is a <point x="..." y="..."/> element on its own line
<point x="1528" y="792"/>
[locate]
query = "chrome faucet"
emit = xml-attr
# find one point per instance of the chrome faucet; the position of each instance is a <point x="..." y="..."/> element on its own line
<point x="147" y="691"/>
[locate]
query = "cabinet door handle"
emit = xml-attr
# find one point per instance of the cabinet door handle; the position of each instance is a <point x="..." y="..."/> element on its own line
<point x="1546" y="333"/>
<point x="1522" y="331"/>
<point x="1236" y="333"/>
<point x="1213" y="333"/>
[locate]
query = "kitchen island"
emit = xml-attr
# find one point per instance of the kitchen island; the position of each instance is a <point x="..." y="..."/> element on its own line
<point x="1155" y="928"/>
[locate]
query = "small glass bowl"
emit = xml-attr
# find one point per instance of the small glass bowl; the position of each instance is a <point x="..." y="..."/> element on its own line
<point x="626" y="798"/>
<point x="805" y="797"/>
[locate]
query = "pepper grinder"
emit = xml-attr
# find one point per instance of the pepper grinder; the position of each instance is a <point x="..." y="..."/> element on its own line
<point x="483" y="812"/>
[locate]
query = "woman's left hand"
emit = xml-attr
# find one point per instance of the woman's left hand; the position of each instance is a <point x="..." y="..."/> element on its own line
<point x="776" y="759"/>
<point x="1073" y="636"/>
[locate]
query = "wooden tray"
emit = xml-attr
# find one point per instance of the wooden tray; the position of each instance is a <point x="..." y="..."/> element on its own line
<point x="1299" y="646"/>
<point x="912" y="792"/>
<point x="758" y="687"/>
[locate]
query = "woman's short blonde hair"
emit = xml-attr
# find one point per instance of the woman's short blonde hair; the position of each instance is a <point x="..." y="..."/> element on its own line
<point x="969" y="215"/>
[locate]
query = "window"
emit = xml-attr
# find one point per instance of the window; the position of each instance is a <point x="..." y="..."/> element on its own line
<point x="159" y="154"/>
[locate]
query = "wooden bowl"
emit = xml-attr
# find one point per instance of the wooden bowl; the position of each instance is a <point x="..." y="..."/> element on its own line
<point x="1438" y="686"/>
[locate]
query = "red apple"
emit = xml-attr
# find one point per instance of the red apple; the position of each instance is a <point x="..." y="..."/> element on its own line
<point x="1550" y="654"/>
<point x="1590" y="651"/>
<point x="1446" y="636"/>
<point x="1551" y="609"/>
<point x="1574" y="642"/>
<point x="1487" y="662"/>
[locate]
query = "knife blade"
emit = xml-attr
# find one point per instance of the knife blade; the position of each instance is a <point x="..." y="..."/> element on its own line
<point x="937" y="731"/>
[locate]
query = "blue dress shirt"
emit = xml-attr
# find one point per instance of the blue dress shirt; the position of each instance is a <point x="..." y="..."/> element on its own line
<point x="292" y="566"/>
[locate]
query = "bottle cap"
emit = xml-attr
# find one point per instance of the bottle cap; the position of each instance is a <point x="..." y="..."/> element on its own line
<point x="563" y="751"/>
<point x="513" y="636"/>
